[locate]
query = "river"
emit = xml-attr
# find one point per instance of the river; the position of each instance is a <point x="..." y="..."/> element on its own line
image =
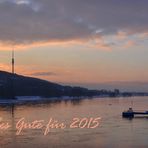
<point x="113" y="131"/>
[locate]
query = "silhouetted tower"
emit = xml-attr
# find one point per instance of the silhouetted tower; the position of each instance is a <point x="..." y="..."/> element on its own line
<point x="12" y="78"/>
<point x="12" y="61"/>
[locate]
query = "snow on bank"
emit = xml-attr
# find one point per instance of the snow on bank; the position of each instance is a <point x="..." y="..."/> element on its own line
<point x="34" y="99"/>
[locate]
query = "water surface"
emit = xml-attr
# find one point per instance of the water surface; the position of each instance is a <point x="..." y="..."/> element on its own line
<point x="113" y="131"/>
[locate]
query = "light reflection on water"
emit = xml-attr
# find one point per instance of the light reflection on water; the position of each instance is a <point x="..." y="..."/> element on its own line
<point x="114" y="131"/>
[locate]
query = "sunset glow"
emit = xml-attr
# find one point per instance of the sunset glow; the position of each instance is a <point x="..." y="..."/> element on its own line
<point x="57" y="42"/>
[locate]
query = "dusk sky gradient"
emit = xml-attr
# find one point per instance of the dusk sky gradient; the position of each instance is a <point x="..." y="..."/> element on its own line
<point x="85" y="42"/>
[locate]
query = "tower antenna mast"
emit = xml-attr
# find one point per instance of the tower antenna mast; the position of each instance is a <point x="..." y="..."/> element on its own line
<point x="12" y="61"/>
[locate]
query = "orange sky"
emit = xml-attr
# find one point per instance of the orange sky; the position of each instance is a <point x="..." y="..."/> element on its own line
<point x="100" y="41"/>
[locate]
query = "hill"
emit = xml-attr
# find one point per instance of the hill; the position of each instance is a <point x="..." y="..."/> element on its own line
<point x="18" y="85"/>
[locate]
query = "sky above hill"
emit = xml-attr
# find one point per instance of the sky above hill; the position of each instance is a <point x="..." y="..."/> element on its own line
<point x="76" y="41"/>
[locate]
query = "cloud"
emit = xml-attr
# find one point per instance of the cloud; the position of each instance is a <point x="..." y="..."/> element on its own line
<point x="121" y="36"/>
<point x="143" y="35"/>
<point x="101" y="44"/>
<point x="129" y="44"/>
<point x="31" y="21"/>
<point x="44" y="74"/>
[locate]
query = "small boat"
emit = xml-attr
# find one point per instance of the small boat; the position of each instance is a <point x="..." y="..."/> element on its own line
<point x="130" y="113"/>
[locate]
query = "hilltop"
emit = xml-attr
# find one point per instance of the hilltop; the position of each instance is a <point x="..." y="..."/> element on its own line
<point x="18" y="85"/>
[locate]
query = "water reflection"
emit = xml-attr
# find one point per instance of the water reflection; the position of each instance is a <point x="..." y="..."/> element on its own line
<point x="112" y="132"/>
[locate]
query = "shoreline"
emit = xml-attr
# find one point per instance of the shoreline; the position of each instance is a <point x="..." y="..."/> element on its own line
<point x="39" y="99"/>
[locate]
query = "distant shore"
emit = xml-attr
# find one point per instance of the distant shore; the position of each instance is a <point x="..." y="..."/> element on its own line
<point x="39" y="99"/>
<point x="13" y="85"/>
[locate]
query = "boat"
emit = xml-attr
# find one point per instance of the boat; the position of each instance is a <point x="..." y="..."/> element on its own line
<point x="131" y="114"/>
